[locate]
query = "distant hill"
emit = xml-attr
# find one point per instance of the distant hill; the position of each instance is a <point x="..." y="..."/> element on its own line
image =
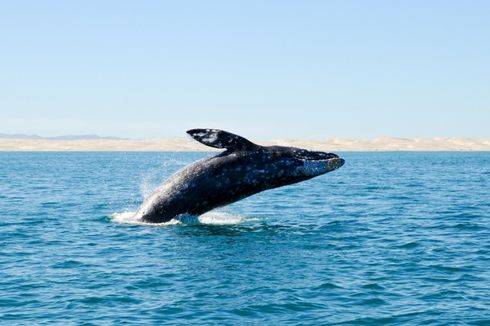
<point x="65" y="137"/>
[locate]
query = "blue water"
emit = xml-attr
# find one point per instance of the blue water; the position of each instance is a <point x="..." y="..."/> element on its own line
<point x="390" y="238"/>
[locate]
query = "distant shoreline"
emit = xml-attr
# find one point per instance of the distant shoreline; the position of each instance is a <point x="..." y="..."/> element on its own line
<point x="185" y="144"/>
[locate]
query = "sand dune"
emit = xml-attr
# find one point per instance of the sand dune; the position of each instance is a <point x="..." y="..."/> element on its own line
<point x="184" y="144"/>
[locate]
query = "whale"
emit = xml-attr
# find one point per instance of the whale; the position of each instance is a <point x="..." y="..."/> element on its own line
<point x="241" y="170"/>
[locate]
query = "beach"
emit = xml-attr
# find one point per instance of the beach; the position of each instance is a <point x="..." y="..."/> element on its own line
<point x="187" y="144"/>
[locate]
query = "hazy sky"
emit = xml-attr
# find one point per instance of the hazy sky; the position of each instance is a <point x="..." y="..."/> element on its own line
<point x="265" y="69"/>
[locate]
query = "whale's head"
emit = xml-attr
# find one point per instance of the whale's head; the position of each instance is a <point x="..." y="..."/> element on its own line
<point x="292" y="164"/>
<point x="312" y="164"/>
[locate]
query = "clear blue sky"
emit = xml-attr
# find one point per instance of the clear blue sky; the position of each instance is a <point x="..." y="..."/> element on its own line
<point x="265" y="69"/>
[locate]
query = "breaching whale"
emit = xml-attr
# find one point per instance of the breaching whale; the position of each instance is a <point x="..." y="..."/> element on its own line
<point x="242" y="170"/>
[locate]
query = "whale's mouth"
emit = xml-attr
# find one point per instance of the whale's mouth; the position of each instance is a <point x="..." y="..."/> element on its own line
<point x="319" y="163"/>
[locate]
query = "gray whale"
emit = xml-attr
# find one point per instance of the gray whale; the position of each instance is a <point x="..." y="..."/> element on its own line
<point x="242" y="170"/>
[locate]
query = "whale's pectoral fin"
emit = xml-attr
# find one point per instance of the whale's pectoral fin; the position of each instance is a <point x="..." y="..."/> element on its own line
<point x="221" y="139"/>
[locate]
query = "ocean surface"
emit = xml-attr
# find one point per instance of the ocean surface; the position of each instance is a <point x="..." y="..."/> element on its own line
<point x="390" y="238"/>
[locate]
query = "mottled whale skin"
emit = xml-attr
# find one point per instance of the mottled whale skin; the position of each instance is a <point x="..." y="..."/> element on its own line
<point x="242" y="170"/>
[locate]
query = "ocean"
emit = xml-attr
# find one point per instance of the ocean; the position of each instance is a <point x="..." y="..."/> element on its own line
<point x="391" y="238"/>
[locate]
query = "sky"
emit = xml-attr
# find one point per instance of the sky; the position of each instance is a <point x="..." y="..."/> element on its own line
<point x="263" y="69"/>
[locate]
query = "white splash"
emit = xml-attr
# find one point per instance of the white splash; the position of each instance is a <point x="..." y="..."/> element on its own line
<point x="153" y="178"/>
<point x="148" y="186"/>
<point x="220" y="218"/>
<point x="209" y="218"/>
<point x="128" y="217"/>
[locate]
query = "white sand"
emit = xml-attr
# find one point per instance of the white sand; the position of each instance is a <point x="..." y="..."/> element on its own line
<point x="185" y="144"/>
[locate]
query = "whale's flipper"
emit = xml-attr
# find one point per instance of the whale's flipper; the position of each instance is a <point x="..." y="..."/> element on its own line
<point x="222" y="139"/>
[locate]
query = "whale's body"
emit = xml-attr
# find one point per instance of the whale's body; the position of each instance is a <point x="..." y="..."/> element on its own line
<point x="242" y="170"/>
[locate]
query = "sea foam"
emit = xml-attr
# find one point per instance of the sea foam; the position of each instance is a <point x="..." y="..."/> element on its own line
<point x="209" y="218"/>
